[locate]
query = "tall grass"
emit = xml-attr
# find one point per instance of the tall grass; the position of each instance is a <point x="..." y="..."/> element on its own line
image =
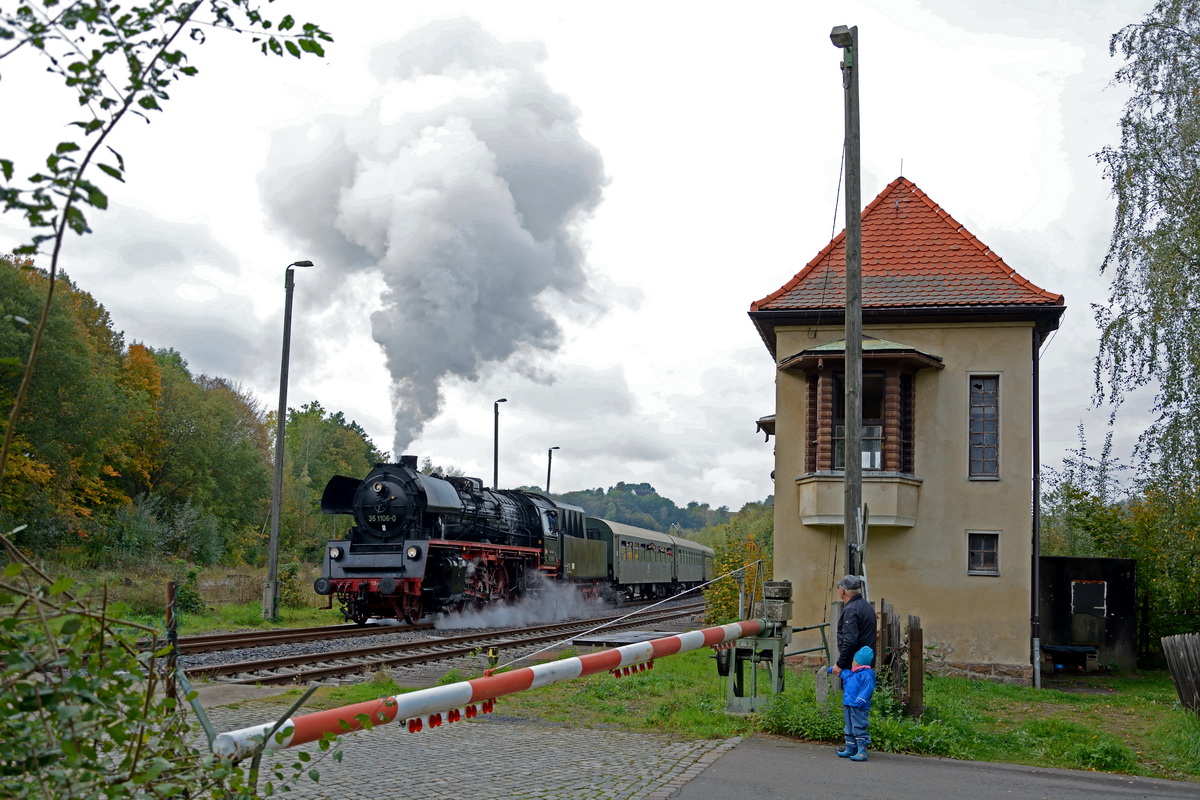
<point x="216" y="598"/>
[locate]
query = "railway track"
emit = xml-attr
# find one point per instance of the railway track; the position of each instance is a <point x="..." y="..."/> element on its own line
<point x="213" y="642"/>
<point x="323" y="666"/>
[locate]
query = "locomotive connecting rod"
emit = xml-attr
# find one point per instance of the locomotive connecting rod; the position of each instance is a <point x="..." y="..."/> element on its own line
<point x="437" y="700"/>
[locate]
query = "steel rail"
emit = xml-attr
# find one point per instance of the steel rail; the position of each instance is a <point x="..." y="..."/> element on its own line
<point x="278" y="670"/>
<point x="212" y="642"/>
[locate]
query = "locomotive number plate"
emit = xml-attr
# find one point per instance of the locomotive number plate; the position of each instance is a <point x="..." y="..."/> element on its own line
<point x="374" y="518"/>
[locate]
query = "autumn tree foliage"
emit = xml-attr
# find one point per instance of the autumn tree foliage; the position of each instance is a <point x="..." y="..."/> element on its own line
<point x="743" y="560"/>
<point x="73" y="434"/>
<point x="124" y="454"/>
<point x="118" y="61"/>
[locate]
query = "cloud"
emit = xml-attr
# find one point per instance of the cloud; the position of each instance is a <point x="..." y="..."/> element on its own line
<point x="460" y="193"/>
<point x="172" y="284"/>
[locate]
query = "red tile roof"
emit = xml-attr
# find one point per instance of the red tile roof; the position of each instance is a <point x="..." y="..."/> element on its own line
<point x="914" y="255"/>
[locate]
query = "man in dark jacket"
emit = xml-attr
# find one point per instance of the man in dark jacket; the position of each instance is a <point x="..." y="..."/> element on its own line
<point x="856" y="625"/>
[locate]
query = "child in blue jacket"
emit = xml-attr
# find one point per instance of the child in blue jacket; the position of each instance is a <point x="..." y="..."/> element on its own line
<point x="858" y="684"/>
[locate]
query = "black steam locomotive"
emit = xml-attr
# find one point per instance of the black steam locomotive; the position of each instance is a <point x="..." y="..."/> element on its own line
<point x="424" y="543"/>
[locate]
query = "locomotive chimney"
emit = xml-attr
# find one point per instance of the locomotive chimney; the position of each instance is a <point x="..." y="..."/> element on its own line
<point x="408" y="461"/>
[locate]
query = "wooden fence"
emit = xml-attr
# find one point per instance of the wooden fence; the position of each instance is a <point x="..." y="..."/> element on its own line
<point x="901" y="658"/>
<point x="1183" y="659"/>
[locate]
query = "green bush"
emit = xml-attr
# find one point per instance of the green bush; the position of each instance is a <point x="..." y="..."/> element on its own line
<point x="151" y="527"/>
<point x="291" y="593"/>
<point x="187" y="590"/>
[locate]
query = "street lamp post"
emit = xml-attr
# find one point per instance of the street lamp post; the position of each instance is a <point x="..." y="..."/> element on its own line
<point x="549" y="461"/>
<point x="496" y="443"/>
<point x="271" y="588"/>
<point x="847" y="40"/>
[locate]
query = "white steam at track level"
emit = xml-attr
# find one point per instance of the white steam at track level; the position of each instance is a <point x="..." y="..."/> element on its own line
<point x="461" y="190"/>
<point x="543" y="602"/>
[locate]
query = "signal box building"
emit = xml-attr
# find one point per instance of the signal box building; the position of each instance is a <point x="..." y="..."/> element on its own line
<point x="951" y="337"/>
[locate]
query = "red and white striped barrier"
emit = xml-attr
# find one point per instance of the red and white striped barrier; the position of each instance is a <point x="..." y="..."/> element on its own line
<point x="444" y="704"/>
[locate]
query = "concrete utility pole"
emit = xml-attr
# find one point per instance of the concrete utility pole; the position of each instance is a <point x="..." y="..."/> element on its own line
<point x="496" y="443"/>
<point x="271" y="588"/>
<point x="549" y="462"/>
<point x="847" y="39"/>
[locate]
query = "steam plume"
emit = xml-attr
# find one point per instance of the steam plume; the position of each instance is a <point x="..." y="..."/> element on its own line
<point x="464" y="186"/>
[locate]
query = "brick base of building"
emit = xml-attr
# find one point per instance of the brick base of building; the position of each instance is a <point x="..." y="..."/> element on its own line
<point x="1017" y="674"/>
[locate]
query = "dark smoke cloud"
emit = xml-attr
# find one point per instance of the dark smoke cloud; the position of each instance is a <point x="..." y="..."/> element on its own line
<point x="463" y="188"/>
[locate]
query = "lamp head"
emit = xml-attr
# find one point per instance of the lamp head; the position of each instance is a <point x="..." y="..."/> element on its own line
<point x="842" y="37"/>
<point x="556" y="447"/>
<point x="301" y="264"/>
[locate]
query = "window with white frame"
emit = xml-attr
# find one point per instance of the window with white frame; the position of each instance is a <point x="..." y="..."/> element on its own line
<point x="983" y="552"/>
<point x="984" y="427"/>
<point x="872" y="421"/>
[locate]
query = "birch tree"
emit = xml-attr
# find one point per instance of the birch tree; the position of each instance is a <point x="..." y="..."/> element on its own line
<point x="1150" y="326"/>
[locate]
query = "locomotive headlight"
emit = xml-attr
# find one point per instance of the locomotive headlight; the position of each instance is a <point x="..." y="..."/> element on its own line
<point x="335" y="553"/>
<point x="413" y="552"/>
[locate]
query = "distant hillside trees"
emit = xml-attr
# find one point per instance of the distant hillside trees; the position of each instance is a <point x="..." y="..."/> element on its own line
<point x="641" y="505"/>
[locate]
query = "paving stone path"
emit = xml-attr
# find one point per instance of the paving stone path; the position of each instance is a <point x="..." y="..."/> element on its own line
<point x="491" y="758"/>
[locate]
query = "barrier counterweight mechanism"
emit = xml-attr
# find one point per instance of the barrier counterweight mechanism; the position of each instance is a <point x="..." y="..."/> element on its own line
<point x="765" y="651"/>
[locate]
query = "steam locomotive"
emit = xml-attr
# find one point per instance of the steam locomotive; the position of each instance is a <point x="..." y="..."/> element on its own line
<point x="425" y="543"/>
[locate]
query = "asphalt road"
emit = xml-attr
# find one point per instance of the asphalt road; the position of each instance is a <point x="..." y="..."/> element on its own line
<point x="766" y="769"/>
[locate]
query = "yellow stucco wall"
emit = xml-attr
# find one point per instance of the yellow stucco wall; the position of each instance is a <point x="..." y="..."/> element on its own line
<point x="922" y="569"/>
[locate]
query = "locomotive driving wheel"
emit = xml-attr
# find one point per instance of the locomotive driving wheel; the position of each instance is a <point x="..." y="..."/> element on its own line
<point x="412" y="609"/>
<point x="499" y="587"/>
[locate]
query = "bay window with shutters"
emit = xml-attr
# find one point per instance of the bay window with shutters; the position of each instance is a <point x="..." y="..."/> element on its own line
<point x="888" y="453"/>
<point x="888" y="405"/>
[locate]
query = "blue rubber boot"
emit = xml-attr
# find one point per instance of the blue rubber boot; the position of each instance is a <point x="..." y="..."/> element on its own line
<point x="848" y="750"/>
<point x="861" y="754"/>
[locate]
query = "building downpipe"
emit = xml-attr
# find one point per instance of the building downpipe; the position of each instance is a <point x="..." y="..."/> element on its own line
<point x="1035" y="600"/>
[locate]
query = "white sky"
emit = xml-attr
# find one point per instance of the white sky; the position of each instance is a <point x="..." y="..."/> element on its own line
<point x="720" y="134"/>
